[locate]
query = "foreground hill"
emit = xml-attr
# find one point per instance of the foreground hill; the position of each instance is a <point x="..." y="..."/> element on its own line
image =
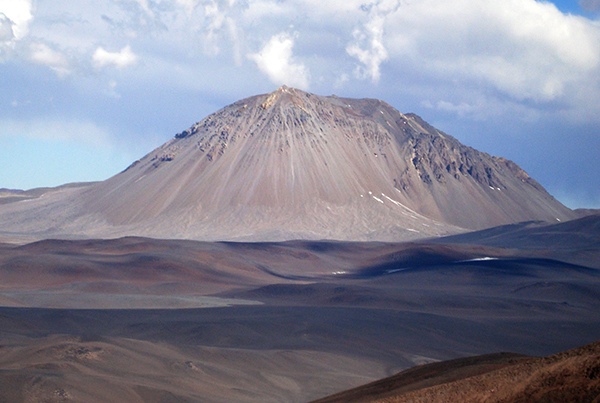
<point x="293" y="165"/>
<point x="572" y="376"/>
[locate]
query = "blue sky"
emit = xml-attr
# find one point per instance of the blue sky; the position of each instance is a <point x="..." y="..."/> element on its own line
<point x="585" y="8"/>
<point x="88" y="87"/>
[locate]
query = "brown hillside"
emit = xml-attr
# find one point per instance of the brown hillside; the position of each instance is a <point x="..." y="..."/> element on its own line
<point x="572" y="376"/>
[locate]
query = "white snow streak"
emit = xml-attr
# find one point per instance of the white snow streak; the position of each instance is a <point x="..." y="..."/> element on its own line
<point x="478" y="259"/>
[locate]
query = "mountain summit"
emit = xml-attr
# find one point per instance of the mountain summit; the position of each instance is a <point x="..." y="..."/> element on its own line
<point x="290" y="165"/>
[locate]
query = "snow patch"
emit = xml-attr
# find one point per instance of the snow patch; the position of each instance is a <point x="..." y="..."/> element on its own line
<point x="392" y="200"/>
<point x="378" y="199"/>
<point x="401" y="205"/>
<point x="478" y="259"/>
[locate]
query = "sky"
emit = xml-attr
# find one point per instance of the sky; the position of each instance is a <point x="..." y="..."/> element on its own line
<point x="88" y="87"/>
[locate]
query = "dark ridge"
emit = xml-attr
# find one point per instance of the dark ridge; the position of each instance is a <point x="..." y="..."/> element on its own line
<point x="427" y="375"/>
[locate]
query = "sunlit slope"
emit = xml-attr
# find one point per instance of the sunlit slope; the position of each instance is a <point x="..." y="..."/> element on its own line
<point x="291" y="165"/>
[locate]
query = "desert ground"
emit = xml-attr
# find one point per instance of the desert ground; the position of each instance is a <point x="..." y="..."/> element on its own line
<point x="141" y="319"/>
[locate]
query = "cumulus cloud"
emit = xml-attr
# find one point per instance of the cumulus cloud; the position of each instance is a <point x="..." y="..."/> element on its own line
<point x="18" y="12"/>
<point x="124" y="58"/>
<point x="15" y="16"/>
<point x="522" y="49"/>
<point x="369" y="49"/>
<point x="526" y="51"/>
<point x="368" y="45"/>
<point x="276" y="60"/>
<point x="43" y="54"/>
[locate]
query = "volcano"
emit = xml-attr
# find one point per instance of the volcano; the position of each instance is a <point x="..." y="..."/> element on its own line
<point x="294" y="165"/>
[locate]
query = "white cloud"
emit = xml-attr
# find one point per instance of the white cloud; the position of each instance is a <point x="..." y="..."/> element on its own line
<point x="19" y="13"/>
<point x="189" y="5"/>
<point x="220" y="23"/>
<point x="276" y="60"/>
<point x="15" y="16"/>
<point x="124" y="58"/>
<point x="525" y="51"/>
<point x="461" y="109"/>
<point x="522" y="49"/>
<point x="41" y="53"/>
<point x="6" y="31"/>
<point x="368" y="46"/>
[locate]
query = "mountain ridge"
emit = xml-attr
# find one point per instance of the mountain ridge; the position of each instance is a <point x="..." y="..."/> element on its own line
<point x="291" y="165"/>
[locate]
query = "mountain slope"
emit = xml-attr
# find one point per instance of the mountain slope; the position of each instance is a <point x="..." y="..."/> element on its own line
<point x="571" y="376"/>
<point x="296" y="165"/>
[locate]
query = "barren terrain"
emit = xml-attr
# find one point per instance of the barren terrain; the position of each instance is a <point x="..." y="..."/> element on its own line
<point x="141" y="319"/>
<point x="571" y="376"/>
<point x="339" y="267"/>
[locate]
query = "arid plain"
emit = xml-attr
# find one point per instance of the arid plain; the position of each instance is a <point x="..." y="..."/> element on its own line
<point x="139" y="319"/>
